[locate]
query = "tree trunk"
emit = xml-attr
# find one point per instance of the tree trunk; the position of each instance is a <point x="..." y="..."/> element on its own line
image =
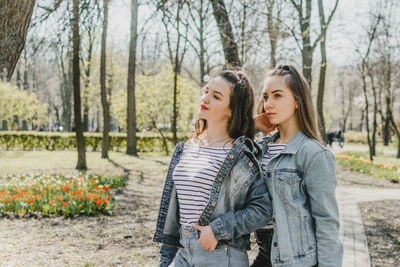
<point x="225" y="31"/>
<point x="86" y="90"/>
<point x="374" y="123"/>
<point x="80" y="141"/>
<point x="307" y="51"/>
<point x="364" y="86"/>
<point x="106" y="114"/>
<point x="177" y="71"/>
<point x="202" y="48"/>
<point x="15" y="17"/>
<point x="131" y="121"/>
<point x="386" y="126"/>
<point x="273" y="30"/>
<point x="322" y="73"/>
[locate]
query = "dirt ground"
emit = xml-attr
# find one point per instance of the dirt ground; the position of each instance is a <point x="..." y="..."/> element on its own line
<point x="382" y="228"/>
<point x="125" y="238"/>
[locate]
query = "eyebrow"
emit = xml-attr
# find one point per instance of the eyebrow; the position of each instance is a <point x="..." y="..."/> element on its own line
<point x="215" y="91"/>
<point x="273" y="92"/>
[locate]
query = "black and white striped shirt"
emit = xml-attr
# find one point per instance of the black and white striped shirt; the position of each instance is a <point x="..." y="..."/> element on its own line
<point x="274" y="149"/>
<point x="194" y="176"/>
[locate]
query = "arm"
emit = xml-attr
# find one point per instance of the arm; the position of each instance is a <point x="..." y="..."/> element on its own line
<point x="321" y="183"/>
<point x="166" y="255"/>
<point x="256" y="214"/>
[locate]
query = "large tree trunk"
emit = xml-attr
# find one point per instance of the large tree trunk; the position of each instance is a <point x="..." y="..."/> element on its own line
<point x="177" y="71"/>
<point x="273" y="29"/>
<point x="225" y="31"/>
<point x="307" y="52"/>
<point x="104" y="103"/>
<point x="87" y="83"/>
<point x="80" y="141"/>
<point x="15" y="17"/>
<point x="131" y="121"/>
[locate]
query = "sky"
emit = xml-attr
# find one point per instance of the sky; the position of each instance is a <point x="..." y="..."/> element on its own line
<point x="347" y="24"/>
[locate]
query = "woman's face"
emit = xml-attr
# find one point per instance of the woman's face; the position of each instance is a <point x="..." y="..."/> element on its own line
<point x="279" y="102"/>
<point x="215" y="99"/>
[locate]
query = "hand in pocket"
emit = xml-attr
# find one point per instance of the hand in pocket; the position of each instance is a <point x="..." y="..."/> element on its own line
<point x="207" y="239"/>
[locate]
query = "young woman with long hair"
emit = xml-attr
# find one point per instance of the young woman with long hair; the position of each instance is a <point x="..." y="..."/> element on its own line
<point x="214" y="195"/>
<point x="300" y="175"/>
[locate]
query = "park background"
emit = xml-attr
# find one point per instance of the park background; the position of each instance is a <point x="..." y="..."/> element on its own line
<point x="75" y="73"/>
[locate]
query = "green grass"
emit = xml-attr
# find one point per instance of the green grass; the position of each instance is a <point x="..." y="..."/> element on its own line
<point x="64" y="162"/>
<point x="383" y="166"/>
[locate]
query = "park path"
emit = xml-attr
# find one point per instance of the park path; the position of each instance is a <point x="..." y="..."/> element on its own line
<point x="352" y="232"/>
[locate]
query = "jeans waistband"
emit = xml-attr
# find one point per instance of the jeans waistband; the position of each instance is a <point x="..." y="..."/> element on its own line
<point x="189" y="232"/>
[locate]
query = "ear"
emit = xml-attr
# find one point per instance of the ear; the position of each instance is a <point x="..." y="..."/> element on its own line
<point x="296" y="105"/>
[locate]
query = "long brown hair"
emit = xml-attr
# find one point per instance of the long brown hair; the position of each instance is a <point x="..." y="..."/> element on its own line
<point x="301" y="91"/>
<point x="241" y="104"/>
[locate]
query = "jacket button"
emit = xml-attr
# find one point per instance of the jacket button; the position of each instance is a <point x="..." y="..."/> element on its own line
<point x="220" y="179"/>
<point x="251" y="164"/>
<point x="231" y="156"/>
<point x="273" y="219"/>
<point x="275" y="244"/>
<point x="213" y="203"/>
<point x="269" y="175"/>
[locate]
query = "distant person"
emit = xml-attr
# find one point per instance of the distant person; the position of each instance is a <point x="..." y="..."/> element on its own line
<point x="330" y="136"/>
<point x="340" y="136"/>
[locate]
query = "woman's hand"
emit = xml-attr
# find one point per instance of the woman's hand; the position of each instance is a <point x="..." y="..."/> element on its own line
<point x="207" y="239"/>
<point x="262" y="123"/>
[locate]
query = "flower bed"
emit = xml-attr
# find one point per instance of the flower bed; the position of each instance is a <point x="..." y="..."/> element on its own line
<point x="58" y="194"/>
<point x="357" y="162"/>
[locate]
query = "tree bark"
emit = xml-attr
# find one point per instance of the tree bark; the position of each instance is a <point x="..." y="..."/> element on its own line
<point x="80" y="141"/>
<point x="15" y="17"/>
<point x="87" y="82"/>
<point x="273" y="30"/>
<point x="225" y="31"/>
<point x="106" y="114"/>
<point x="131" y="121"/>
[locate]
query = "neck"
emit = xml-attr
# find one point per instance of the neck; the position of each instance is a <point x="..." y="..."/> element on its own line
<point x="288" y="130"/>
<point x="216" y="132"/>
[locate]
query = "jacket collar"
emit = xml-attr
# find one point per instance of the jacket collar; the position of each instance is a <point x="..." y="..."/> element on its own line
<point x="292" y="147"/>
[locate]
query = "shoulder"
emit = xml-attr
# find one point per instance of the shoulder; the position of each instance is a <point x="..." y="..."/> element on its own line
<point x="314" y="153"/>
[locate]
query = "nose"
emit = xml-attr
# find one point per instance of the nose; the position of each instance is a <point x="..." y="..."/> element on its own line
<point x="205" y="98"/>
<point x="268" y="104"/>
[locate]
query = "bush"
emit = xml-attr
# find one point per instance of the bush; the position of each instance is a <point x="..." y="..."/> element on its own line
<point x="66" y="141"/>
<point x="356" y="137"/>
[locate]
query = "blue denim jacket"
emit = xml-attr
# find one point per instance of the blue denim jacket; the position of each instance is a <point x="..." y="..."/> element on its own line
<point x="302" y="183"/>
<point x="239" y="202"/>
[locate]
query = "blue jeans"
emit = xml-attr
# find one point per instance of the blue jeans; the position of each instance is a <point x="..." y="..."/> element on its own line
<point x="193" y="254"/>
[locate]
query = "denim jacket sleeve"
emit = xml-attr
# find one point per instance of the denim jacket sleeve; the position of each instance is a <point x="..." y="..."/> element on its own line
<point x="256" y="214"/>
<point x="166" y="255"/>
<point x="321" y="183"/>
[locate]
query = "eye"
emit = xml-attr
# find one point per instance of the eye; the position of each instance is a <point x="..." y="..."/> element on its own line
<point x="265" y="97"/>
<point x="215" y="96"/>
<point x="277" y="95"/>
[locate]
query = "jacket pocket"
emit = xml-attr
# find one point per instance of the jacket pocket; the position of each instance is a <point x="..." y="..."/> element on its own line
<point x="288" y="185"/>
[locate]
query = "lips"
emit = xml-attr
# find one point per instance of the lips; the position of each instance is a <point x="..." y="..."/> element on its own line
<point x="271" y="113"/>
<point x="202" y="107"/>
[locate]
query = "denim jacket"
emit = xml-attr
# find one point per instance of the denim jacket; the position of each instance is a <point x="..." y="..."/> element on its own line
<point x="302" y="182"/>
<point x="239" y="202"/>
